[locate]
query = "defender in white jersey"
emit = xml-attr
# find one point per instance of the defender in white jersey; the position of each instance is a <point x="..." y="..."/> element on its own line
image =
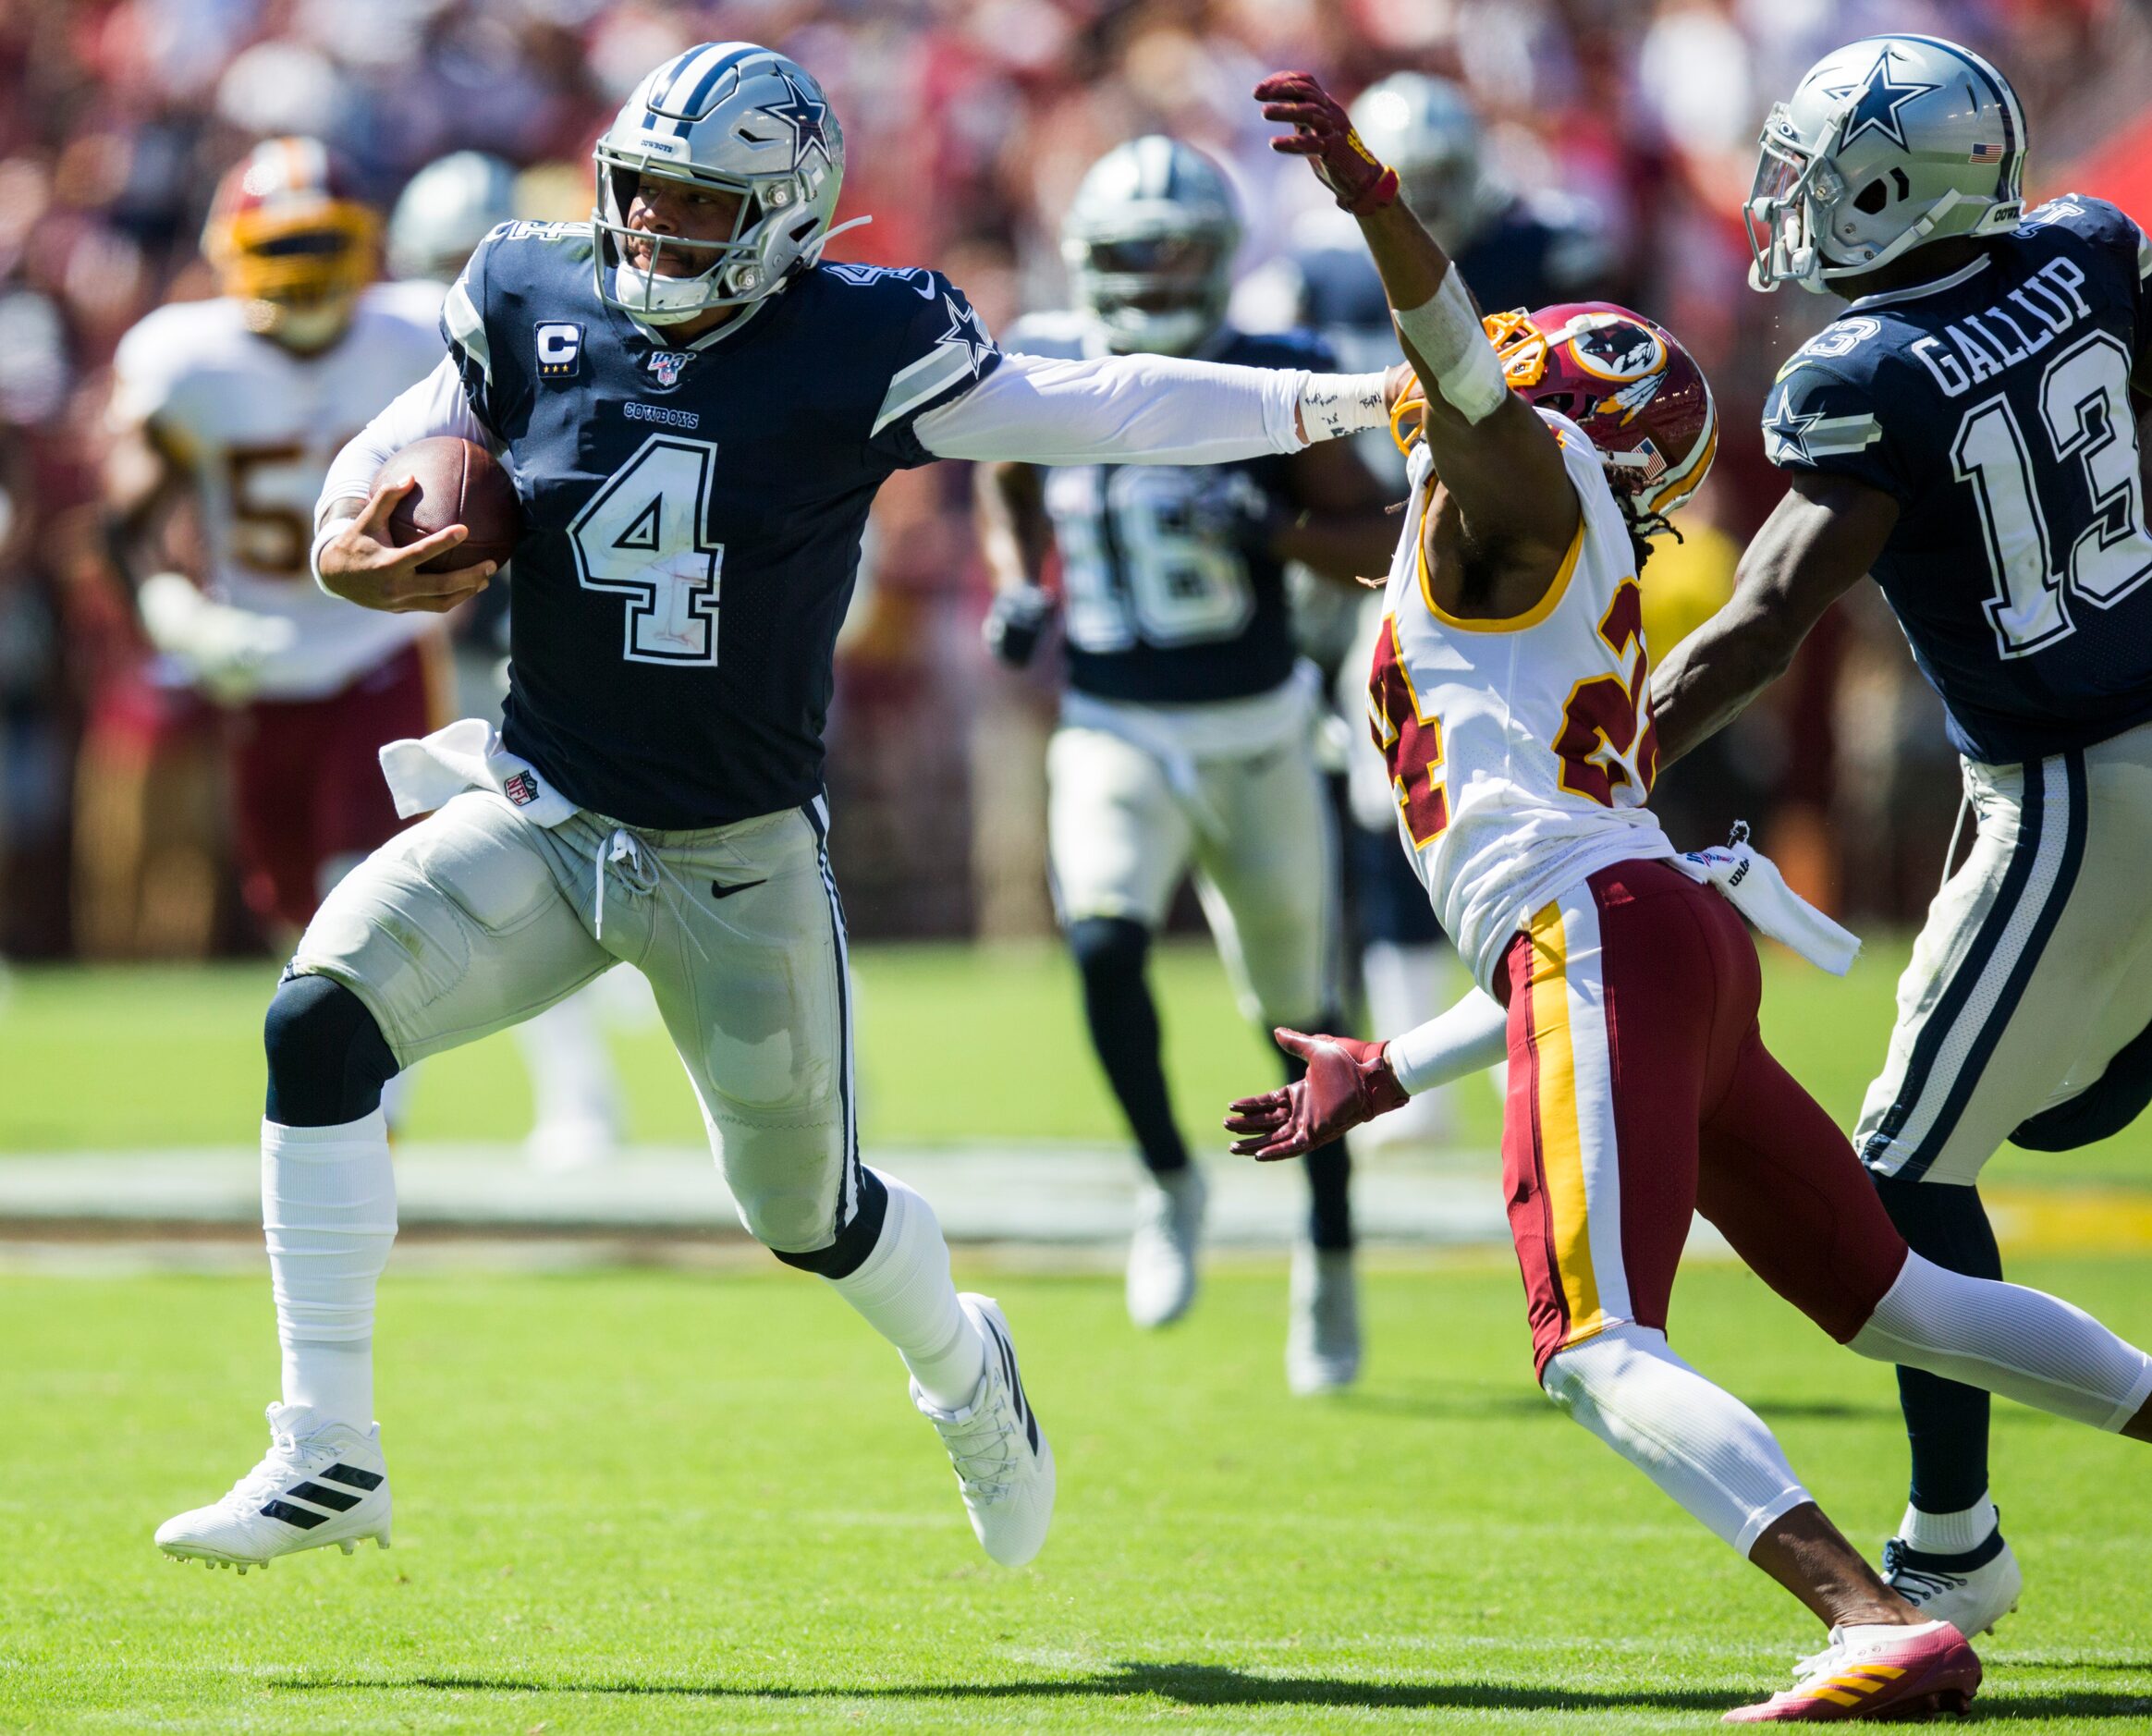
<point x="241" y="401"/>
<point x="1509" y="696"/>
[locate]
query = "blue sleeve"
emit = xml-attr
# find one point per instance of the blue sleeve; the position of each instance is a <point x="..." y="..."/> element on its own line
<point x="2116" y="235"/>
<point x="464" y="329"/>
<point x="938" y="350"/>
<point x="1816" y="420"/>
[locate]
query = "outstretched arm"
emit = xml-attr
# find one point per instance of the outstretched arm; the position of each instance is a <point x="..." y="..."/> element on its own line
<point x="1497" y="458"/>
<point x="1825" y="535"/>
<point x="1150" y="410"/>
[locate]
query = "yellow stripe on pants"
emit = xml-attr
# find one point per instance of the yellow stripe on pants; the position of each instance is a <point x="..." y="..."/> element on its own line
<point x="1561" y="1157"/>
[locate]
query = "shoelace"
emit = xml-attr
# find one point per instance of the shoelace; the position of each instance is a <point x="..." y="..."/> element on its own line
<point x="982" y="1447"/>
<point x="284" y="1460"/>
<point x="1916" y="1585"/>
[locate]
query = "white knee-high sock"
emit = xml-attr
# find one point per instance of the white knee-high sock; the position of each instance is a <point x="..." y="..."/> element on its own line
<point x="2022" y="1343"/>
<point x="1699" y="1442"/>
<point x="904" y="1292"/>
<point x="328" y="1212"/>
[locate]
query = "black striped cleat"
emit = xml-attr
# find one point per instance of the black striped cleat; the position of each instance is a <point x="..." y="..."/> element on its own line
<point x="1004" y="1463"/>
<point x="321" y="1483"/>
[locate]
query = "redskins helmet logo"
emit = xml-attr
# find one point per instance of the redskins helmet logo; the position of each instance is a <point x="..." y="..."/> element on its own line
<point x="1614" y="349"/>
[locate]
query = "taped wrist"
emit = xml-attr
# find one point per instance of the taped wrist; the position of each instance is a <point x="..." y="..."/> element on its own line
<point x="1335" y="404"/>
<point x="1447" y="335"/>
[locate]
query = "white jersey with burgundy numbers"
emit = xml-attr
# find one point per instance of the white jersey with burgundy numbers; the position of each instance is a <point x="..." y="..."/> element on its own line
<point x="254" y="425"/>
<point x="1520" y="751"/>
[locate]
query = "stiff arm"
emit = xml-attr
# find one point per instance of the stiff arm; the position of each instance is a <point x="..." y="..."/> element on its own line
<point x="1819" y="541"/>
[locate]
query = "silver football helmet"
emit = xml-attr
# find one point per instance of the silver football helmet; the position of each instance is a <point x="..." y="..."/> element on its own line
<point x="1149" y="242"/>
<point x="733" y="118"/>
<point x="1889" y="143"/>
<point x="447" y="208"/>
<point x="1427" y="130"/>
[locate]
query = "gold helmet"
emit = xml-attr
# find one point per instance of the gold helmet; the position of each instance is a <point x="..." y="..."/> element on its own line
<point x="289" y="239"/>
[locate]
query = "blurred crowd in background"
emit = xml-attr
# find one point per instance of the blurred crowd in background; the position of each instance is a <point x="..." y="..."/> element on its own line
<point x="968" y="124"/>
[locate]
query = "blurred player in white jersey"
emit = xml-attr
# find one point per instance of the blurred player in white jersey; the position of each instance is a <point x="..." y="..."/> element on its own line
<point x="444" y="212"/>
<point x="239" y="403"/>
<point x="1186" y="734"/>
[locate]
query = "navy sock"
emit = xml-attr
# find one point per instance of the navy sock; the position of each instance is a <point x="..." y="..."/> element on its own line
<point x="1946" y="1423"/>
<point x="1329" y="1177"/>
<point x="1111" y="952"/>
<point x="327" y="1057"/>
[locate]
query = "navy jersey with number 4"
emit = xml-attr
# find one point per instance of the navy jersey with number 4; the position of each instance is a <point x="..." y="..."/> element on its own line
<point x="1995" y="406"/>
<point x="692" y="514"/>
<point x="1161" y="605"/>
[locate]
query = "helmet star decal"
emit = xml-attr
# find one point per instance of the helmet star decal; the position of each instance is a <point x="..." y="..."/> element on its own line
<point x="1786" y="435"/>
<point x="966" y="334"/>
<point x="806" y="114"/>
<point x="1879" y="98"/>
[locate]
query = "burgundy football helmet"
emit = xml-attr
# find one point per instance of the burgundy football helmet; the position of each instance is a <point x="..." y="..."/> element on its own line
<point x="1639" y="397"/>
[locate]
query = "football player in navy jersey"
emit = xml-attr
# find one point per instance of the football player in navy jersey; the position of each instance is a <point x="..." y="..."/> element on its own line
<point x="1186" y="733"/>
<point x="1966" y="431"/>
<point x="695" y="412"/>
<point x="1515" y="252"/>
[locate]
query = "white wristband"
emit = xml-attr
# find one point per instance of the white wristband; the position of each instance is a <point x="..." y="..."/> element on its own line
<point x="1471" y="1037"/>
<point x="332" y="527"/>
<point x="1337" y="404"/>
<point x="1447" y="335"/>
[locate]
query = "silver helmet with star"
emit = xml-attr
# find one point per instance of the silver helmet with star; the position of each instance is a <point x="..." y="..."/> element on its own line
<point x="733" y="118"/>
<point x="1887" y="143"/>
<point x="1149" y="242"/>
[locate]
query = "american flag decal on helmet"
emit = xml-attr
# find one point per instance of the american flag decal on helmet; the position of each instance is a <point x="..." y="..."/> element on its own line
<point x="1985" y="152"/>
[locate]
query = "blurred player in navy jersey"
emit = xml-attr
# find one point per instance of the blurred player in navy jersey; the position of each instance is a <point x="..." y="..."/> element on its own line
<point x="1187" y="731"/>
<point x="1515" y="252"/>
<point x="695" y="412"/>
<point x="1966" y="431"/>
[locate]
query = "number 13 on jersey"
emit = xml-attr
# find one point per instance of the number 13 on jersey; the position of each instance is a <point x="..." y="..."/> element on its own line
<point x="643" y="534"/>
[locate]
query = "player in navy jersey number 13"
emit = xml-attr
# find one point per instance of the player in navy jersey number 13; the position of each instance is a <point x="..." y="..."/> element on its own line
<point x="1186" y="732"/>
<point x="1966" y="431"/>
<point x="696" y="413"/>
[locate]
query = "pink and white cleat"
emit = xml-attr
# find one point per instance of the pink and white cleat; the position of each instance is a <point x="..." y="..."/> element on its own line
<point x="1881" y="1672"/>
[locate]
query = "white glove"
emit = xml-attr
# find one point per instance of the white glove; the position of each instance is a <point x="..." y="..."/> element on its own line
<point x="221" y="648"/>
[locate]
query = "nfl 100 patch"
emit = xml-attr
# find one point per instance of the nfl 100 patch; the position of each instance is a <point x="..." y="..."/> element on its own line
<point x="666" y="366"/>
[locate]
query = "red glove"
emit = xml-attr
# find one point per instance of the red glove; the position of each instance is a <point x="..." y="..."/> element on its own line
<point x="1323" y="132"/>
<point x="1348" y="1082"/>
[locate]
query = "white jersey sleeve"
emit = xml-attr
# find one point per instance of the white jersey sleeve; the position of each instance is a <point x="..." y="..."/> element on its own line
<point x="1519" y="751"/>
<point x="1126" y="410"/>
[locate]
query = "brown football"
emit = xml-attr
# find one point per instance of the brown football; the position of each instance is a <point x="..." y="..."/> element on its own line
<point x="459" y="482"/>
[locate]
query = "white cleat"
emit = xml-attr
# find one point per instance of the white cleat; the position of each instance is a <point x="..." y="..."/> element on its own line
<point x="1970" y="1591"/>
<point x="1162" y="1253"/>
<point x="568" y="1142"/>
<point x="1004" y="1464"/>
<point x="1321" y="1344"/>
<point x="322" y="1483"/>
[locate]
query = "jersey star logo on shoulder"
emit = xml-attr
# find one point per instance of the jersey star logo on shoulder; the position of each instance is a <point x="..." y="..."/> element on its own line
<point x="1881" y="98"/>
<point x="806" y="115"/>
<point x="1785" y="433"/>
<point x="967" y="333"/>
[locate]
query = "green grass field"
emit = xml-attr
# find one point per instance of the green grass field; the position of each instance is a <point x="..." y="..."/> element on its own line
<point x="955" y="1044"/>
<point x="657" y="1501"/>
<point x="636" y="1500"/>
